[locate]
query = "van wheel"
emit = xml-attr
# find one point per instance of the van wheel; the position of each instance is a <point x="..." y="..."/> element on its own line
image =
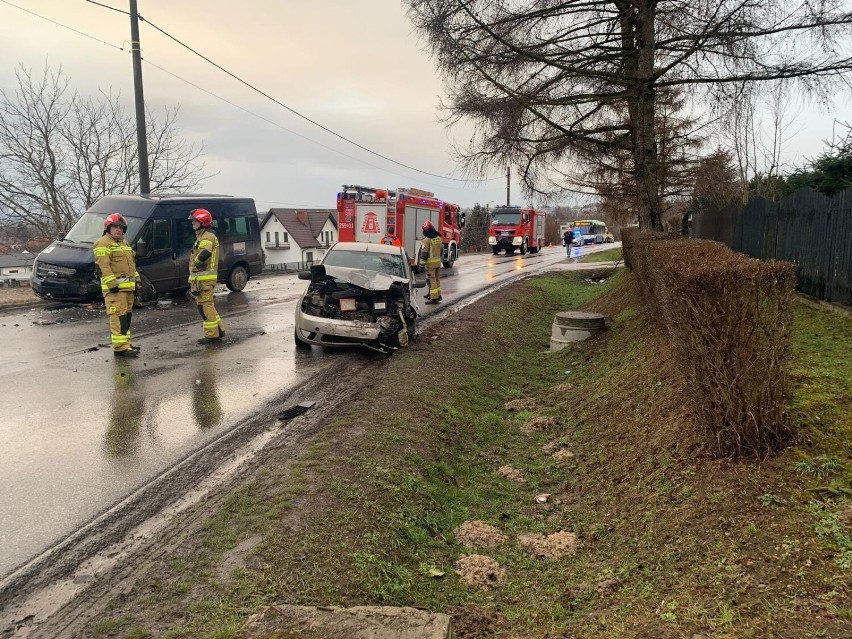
<point x="146" y="293"/>
<point x="237" y="278"/>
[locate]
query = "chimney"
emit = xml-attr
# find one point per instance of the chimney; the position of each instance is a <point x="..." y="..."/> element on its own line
<point x="303" y="219"/>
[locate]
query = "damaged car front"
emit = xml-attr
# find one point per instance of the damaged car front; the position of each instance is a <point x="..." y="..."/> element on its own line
<point x="361" y="295"/>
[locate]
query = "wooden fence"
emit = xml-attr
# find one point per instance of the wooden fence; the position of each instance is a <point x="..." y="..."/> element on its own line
<point x="807" y="228"/>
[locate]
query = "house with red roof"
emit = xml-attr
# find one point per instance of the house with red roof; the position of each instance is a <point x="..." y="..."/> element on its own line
<point x="293" y="239"/>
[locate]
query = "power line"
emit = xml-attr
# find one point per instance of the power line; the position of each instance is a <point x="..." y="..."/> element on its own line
<point x="106" y="6"/>
<point x="272" y="122"/>
<point x="304" y="117"/>
<point x="64" y="26"/>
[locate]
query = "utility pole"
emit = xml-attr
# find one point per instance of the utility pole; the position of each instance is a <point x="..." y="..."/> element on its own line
<point x="141" y="134"/>
<point x="508" y="173"/>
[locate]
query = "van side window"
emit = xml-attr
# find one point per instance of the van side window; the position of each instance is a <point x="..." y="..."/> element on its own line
<point x="157" y="236"/>
<point x="238" y="229"/>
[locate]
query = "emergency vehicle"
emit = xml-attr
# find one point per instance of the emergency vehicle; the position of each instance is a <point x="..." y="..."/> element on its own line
<point x="511" y="228"/>
<point x="379" y="216"/>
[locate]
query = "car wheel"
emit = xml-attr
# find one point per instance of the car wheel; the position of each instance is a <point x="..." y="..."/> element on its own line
<point x="237" y="278"/>
<point x="146" y="293"/>
<point x="300" y="343"/>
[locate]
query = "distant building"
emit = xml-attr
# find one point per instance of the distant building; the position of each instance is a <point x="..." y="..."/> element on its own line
<point x="16" y="266"/>
<point x="295" y="238"/>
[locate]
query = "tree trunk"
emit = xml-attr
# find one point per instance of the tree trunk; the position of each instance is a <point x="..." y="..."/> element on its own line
<point x="641" y="109"/>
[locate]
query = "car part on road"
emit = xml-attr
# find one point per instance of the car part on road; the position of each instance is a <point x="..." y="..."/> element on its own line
<point x="295" y="411"/>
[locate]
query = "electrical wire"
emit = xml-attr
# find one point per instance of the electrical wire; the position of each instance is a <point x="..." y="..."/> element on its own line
<point x="106" y="6"/>
<point x="304" y="117"/>
<point x="64" y="26"/>
<point x="273" y="123"/>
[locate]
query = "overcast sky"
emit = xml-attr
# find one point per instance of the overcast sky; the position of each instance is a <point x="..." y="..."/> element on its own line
<point x="355" y="66"/>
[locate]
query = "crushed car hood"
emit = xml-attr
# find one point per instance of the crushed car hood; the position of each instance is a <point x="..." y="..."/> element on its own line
<point x="370" y="280"/>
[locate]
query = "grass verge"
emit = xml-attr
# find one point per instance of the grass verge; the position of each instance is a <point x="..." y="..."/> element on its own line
<point x="609" y="255"/>
<point x="672" y="541"/>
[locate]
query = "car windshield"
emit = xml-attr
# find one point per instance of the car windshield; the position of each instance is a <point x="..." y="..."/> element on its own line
<point x="386" y="263"/>
<point x="90" y="227"/>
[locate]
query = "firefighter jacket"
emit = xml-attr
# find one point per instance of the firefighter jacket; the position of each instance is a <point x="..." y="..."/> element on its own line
<point x="204" y="260"/>
<point x="116" y="261"/>
<point x="430" y="250"/>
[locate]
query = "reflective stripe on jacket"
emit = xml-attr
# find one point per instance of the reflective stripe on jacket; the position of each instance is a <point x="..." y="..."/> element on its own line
<point x="207" y="270"/>
<point x="430" y="252"/>
<point x="116" y="261"/>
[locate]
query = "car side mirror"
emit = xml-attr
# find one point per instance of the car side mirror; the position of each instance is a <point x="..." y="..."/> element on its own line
<point x="419" y="282"/>
<point x="304" y="275"/>
<point x="461" y="220"/>
<point x="141" y="248"/>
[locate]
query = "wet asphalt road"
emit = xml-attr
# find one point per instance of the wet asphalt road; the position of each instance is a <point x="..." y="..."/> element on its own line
<point x="80" y="430"/>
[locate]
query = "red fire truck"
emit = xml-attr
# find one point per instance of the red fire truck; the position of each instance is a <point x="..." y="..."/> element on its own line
<point x="512" y="227"/>
<point x="366" y="214"/>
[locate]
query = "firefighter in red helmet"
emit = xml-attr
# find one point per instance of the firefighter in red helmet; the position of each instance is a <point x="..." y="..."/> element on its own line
<point x="117" y="263"/>
<point x="203" y="272"/>
<point x="430" y="258"/>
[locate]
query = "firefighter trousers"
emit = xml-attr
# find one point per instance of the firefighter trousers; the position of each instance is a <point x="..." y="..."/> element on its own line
<point x="119" y="309"/>
<point x="433" y="276"/>
<point x="210" y="320"/>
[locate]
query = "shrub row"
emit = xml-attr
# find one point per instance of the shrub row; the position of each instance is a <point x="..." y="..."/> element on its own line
<point x="729" y="318"/>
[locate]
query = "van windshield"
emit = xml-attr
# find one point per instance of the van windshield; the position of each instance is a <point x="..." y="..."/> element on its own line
<point x="90" y="227"/>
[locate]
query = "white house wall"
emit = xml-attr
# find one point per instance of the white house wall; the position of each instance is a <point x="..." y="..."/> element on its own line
<point x="279" y="255"/>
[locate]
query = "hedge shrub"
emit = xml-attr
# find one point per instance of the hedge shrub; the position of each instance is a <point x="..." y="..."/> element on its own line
<point x="729" y="317"/>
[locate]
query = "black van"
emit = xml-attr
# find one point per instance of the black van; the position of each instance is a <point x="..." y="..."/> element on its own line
<point x="161" y="234"/>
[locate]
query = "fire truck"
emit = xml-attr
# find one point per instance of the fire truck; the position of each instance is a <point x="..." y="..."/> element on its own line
<point x="373" y="215"/>
<point x="511" y="228"/>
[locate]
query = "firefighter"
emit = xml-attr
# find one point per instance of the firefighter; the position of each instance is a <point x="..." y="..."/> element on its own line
<point x="203" y="271"/>
<point x="116" y="261"/>
<point x="430" y="258"/>
<point x="391" y="240"/>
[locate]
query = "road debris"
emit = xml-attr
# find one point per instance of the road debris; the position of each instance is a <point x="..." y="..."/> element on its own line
<point x="295" y="411"/>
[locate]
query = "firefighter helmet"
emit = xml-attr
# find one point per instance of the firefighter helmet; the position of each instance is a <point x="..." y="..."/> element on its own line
<point x="427" y="225"/>
<point x="115" y="219"/>
<point x="202" y="216"/>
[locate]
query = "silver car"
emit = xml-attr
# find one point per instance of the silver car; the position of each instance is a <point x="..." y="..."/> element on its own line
<point x="359" y="295"/>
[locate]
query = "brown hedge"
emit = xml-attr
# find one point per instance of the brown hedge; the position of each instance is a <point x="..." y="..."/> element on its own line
<point x="729" y="318"/>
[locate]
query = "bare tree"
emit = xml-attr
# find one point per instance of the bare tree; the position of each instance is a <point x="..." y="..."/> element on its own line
<point x="756" y="124"/>
<point x="553" y="85"/>
<point x="59" y="152"/>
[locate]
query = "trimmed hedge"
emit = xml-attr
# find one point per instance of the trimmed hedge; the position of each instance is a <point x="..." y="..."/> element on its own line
<point x="729" y="317"/>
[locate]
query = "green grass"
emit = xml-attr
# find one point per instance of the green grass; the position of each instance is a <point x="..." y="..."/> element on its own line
<point x="682" y="539"/>
<point x="609" y="255"/>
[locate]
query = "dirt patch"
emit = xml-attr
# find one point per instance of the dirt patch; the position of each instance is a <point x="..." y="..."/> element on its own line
<point x="478" y="534"/>
<point x="564" y="387"/>
<point x="562" y="454"/>
<point x="480" y="571"/>
<point x="540" y="424"/>
<point x="512" y="474"/>
<point x="521" y="404"/>
<point x="554" y="546"/>
<point x="472" y="621"/>
<point x="236" y="558"/>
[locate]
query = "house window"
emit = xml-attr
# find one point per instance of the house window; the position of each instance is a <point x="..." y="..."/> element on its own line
<point x="309" y="256"/>
<point x="267" y="237"/>
<point x="286" y="239"/>
<point x="276" y="238"/>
